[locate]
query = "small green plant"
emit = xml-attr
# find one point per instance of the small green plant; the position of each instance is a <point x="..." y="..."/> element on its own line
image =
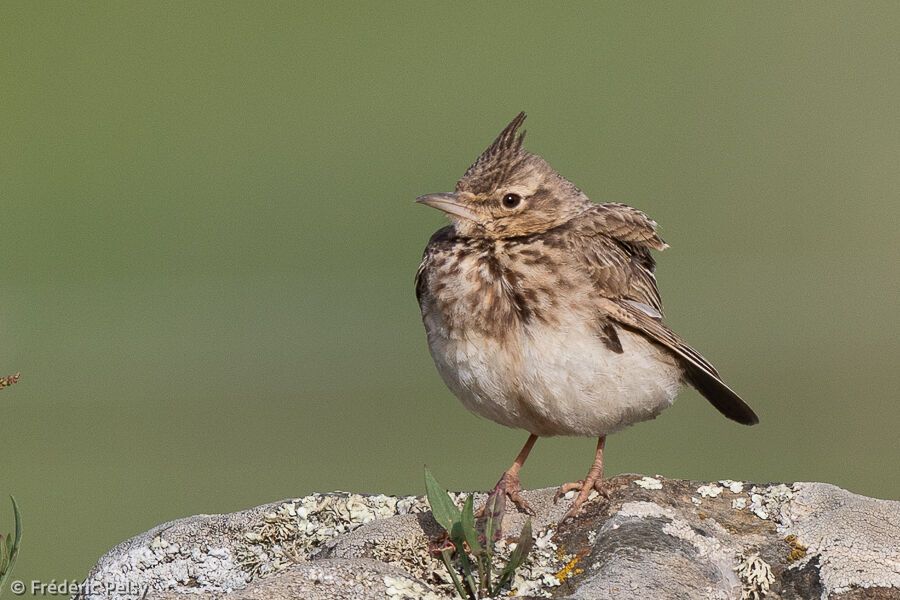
<point x="471" y="543"/>
<point x="9" y="547"/>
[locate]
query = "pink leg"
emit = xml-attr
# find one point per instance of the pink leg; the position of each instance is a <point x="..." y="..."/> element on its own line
<point x="509" y="483"/>
<point x="586" y="485"/>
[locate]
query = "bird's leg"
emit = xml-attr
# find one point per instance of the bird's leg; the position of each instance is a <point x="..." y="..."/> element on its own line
<point x="509" y="483"/>
<point x="586" y="485"/>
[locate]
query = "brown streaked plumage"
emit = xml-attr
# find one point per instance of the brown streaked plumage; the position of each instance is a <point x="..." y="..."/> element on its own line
<point x="542" y="310"/>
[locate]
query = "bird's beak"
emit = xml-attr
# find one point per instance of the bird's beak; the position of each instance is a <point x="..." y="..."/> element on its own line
<point x="450" y="204"/>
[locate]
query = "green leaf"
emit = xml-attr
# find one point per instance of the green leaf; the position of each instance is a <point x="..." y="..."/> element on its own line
<point x="442" y="507"/>
<point x="526" y="542"/>
<point x="471" y="535"/>
<point x="10" y="560"/>
<point x="518" y="556"/>
<point x="456" y="534"/>
<point x="468" y="526"/>
<point x="493" y="514"/>
<point x="4" y="554"/>
<point x="18" y="527"/>
<point x="463" y="559"/>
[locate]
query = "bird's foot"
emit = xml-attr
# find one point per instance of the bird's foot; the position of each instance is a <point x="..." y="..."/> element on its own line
<point x="510" y="486"/>
<point x="585" y="487"/>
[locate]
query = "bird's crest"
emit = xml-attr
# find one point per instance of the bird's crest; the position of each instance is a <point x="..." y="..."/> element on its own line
<point x="498" y="160"/>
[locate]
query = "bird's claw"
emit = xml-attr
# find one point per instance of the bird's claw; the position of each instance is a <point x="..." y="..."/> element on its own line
<point x="520" y="503"/>
<point x="510" y="486"/>
<point x="566" y="488"/>
<point x="585" y="487"/>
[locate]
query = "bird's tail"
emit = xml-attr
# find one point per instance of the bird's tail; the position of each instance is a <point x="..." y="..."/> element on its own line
<point x="720" y="395"/>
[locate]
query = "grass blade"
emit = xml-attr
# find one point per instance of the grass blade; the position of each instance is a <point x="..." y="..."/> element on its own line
<point x="445" y="555"/>
<point x="467" y="571"/>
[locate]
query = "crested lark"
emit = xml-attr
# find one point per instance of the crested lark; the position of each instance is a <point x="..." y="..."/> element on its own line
<point x="542" y="311"/>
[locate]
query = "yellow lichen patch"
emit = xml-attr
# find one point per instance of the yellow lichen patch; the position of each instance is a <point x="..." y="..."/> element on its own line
<point x="569" y="570"/>
<point x="798" y="550"/>
<point x="796" y="554"/>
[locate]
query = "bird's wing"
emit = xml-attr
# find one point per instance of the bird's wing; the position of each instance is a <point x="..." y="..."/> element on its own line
<point x="628" y="225"/>
<point x="698" y="372"/>
<point x="614" y="242"/>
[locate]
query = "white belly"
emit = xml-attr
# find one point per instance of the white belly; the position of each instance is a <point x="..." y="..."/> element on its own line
<point x="558" y="380"/>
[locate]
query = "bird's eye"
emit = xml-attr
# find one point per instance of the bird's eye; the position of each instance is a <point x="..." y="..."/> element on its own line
<point x="511" y="200"/>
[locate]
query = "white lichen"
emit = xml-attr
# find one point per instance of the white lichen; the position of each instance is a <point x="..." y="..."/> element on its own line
<point x="413" y="556"/>
<point x="735" y="487"/>
<point x="853" y="538"/>
<point x="320" y="576"/>
<point x="543" y="541"/>
<point x="400" y="587"/>
<point x="739" y="503"/>
<point x="756" y="577"/>
<point x="705" y="545"/>
<point x="296" y="529"/>
<point x="158" y="543"/>
<point x="649" y="483"/>
<point x="543" y="567"/>
<point x="709" y="490"/>
<point x="549" y="580"/>
<point x="767" y="501"/>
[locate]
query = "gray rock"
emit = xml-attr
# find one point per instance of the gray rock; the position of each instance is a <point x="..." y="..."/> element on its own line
<point x="653" y="538"/>
<point x="327" y="579"/>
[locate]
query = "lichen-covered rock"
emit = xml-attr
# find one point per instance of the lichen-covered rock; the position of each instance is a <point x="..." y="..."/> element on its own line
<point x="852" y="538"/>
<point x="652" y="538"/>
<point x="328" y="579"/>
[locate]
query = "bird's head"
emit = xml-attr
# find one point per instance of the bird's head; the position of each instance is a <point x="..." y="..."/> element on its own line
<point x="509" y="192"/>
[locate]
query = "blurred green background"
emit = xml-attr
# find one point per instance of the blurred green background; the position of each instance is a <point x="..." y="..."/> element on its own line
<point x="208" y="242"/>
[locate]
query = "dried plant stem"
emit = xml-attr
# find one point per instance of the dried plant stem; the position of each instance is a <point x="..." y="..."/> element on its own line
<point x="8" y="381"/>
